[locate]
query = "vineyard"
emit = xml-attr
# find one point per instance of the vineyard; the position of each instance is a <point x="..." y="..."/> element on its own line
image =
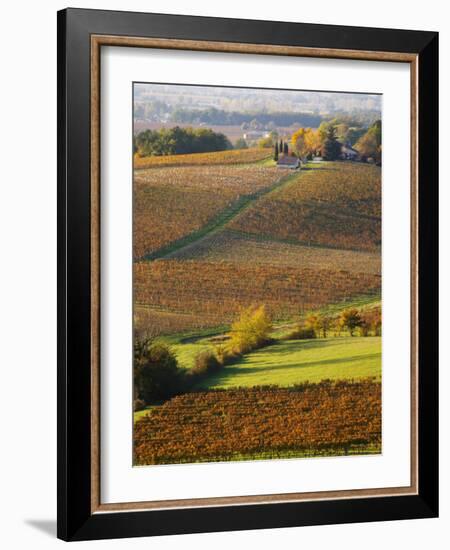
<point x="218" y="290"/>
<point x="215" y="233"/>
<point x="173" y="202"/>
<point x="233" y="246"/>
<point x="234" y="156"/>
<point x="338" y="205"/>
<point x="325" y="419"/>
<point x="353" y="187"/>
<point x="152" y="321"/>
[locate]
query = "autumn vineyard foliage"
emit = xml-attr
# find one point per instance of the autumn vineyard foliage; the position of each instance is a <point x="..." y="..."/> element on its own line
<point x="338" y="205"/>
<point x="218" y="234"/>
<point x="171" y="203"/>
<point x="234" y="156"/>
<point x="218" y="290"/>
<point x="237" y="247"/>
<point x="341" y="417"/>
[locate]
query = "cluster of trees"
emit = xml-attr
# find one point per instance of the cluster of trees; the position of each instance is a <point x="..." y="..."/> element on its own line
<point x="366" y="322"/>
<point x="249" y="119"/>
<point x="308" y="142"/>
<point x="328" y="138"/>
<point x="281" y="148"/>
<point x="176" y="141"/>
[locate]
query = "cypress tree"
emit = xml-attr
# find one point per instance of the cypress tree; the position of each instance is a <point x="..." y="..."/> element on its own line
<point x="275" y="154"/>
<point x="331" y="148"/>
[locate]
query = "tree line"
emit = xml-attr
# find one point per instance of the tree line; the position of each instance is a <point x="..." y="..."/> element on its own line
<point x="220" y="117"/>
<point x="365" y="322"/>
<point x="178" y="141"/>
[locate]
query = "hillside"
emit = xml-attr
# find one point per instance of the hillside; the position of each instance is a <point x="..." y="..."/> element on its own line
<point x="304" y="239"/>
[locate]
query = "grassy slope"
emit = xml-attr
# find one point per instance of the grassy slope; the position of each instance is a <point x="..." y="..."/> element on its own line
<point x="288" y="362"/>
<point x="186" y="348"/>
<point x="294" y="361"/>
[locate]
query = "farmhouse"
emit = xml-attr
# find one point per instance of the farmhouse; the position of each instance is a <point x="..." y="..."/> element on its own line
<point x="286" y="161"/>
<point x="348" y="153"/>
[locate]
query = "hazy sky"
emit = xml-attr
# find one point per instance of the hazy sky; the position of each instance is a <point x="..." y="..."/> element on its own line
<point x="251" y="99"/>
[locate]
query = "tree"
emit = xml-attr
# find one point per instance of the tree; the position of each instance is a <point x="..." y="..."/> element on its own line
<point x="324" y="324"/>
<point x="371" y="322"/>
<point x="312" y="141"/>
<point x="350" y="319"/>
<point x="281" y="148"/>
<point x="251" y="330"/>
<point x="156" y="372"/>
<point x="322" y="131"/>
<point x="342" y="131"/>
<point x="286" y="148"/>
<point x="369" y="145"/>
<point x="298" y="143"/>
<point x="275" y="153"/>
<point x="331" y="147"/>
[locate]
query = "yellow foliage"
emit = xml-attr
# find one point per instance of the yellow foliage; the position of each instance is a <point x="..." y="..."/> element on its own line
<point x="306" y="141"/>
<point x="251" y="330"/>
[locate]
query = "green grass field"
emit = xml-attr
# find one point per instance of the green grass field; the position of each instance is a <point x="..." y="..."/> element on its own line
<point x="296" y="361"/>
<point x="291" y="362"/>
<point x="187" y="345"/>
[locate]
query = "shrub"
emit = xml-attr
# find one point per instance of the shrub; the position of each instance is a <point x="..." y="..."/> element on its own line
<point x="302" y="333"/>
<point x="206" y="362"/>
<point x="156" y="372"/>
<point x="225" y="356"/>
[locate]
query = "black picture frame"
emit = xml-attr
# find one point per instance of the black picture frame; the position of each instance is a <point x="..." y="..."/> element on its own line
<point x="75" y="518"/>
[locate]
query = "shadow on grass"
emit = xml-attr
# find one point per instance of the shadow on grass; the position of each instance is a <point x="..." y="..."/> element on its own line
<point x="245" y="365"/>
<point x="241" y="369"/>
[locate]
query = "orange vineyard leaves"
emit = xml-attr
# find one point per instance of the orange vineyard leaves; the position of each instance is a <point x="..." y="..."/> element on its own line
<point x="234" y="156"/>
<point x="212" y="290"/>
<point x="335" y="418"/>
<point x="170" y="203"/>
<point x="338" y="205"/>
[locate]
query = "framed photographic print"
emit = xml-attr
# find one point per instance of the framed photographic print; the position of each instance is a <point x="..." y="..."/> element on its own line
<point x="247" y="274"/>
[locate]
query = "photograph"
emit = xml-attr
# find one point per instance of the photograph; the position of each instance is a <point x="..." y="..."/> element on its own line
<point x="257" y="273"/>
